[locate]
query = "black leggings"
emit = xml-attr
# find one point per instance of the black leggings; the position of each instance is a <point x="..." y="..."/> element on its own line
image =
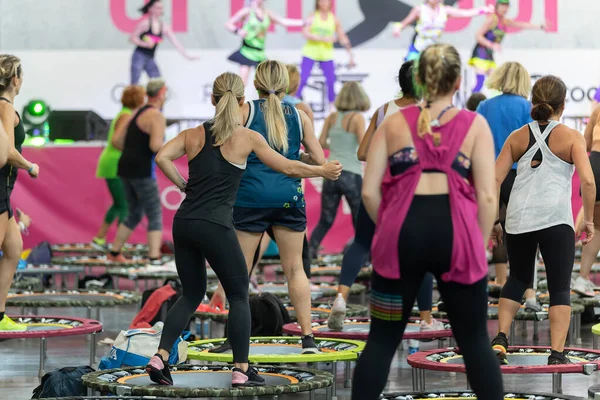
<point x="196" y="242"/>
<point x="557" y="246"/>
<point x="305" y="253"/>
<point x="348" y="185"/>
<point x="422" y="250"/>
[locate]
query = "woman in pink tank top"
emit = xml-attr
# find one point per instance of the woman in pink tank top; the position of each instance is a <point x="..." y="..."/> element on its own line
<point x="430" y="187"/>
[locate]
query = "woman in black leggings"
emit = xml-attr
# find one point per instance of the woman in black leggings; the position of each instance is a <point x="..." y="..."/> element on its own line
<point x="202" y="228"/>
<point x="429" y="184"/>
<point x="539" y="212"/>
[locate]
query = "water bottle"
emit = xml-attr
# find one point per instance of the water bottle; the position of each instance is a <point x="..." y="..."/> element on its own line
<point x="413" y="346"/>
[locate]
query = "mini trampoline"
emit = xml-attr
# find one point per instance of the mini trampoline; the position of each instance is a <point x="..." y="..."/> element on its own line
<point x="41" y="327"/>
<point x="40" y="270"/>
<point x="73" y="298"/>
<point x="26" y="283"/>
<point x="522" y="360"/>
<point x="87" y="248"/>
<point x="330" y="259"/>
<point x="456" y="395"/>
<point x="331" y="270"/>
<point x="318" y="291"/>
<point x="284" y="350"/>
<point x="195" y="381"/>
<point x="98" y="261"/>
<point x="358" y="329"/>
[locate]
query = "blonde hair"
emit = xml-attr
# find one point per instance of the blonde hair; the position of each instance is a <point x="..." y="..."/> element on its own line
<point x="511" y="78"/>
<point x="294" y="76"/>
<point x="228" y="91"/>
<point x="352" y="97"/>
<point x="436" y="72"/>
<point x="10" y="66"/>
<point x="154" y="86"/>
<point x="272" y="79"/>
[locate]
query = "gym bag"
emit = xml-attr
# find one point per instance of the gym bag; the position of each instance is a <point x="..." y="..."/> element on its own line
<point x="64" y="382"/>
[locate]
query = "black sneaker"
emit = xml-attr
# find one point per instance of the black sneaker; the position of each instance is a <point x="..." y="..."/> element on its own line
<point x="500" y="347"/>
<point x="158" y="370"/>
<point x="308" y="345"/>
<point x="248" y="378"/>
<point x="225" y="347"/>
<point x="557" y="358"/>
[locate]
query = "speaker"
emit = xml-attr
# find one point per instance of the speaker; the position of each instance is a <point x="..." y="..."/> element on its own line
<point x="77" y="125"/>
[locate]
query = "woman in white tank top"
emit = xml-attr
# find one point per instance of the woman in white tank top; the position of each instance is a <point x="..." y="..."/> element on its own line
<point x="539" y="211"/>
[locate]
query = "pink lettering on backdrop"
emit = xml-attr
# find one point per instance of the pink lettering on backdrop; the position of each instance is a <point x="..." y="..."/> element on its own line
<point x="118" y="14"/>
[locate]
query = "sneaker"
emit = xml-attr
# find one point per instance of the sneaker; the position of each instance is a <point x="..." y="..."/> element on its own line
<point x="248" y="378"/>
<point x="157" y="262"/>
<point x="532" y="305"/>
<point x="335" y="322"/>
<point x="252" y="290"/>
<point x="556" y="358"/>
<point x="225" y="347"/>
<point x="308" y="345"/>
<point x="500" y="347"/>
<point x="435" y="325"/>
<point x="158" y="371"/>
<point x="584" y="287"/>
<point x="99" y="244"/>
<point x="119" y="258"/>
<point x="7" y="324"/>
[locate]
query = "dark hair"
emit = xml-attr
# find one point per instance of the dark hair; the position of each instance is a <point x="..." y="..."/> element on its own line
<point x="405" y="79"/>
<point x="548" y="97"/>
<point x="474" y="101"/>
<point x="144" y="10"/>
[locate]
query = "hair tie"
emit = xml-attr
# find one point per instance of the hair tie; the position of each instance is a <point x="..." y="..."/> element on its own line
<point x="271" y="92"/>
<point x="428" y="104"/>
<point x="229" y="90"/>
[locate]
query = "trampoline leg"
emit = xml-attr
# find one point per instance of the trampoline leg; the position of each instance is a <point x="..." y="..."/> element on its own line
<point x="97" y="314"/>
<point x="334" y="370"/>
<point x="22" y="310"/>
<point x="595" y="342"/>
<point x="451" y="342"/>
<point x="422" y="379"/>
<point x="578" y="329"/>
<point x="116" y="282"/>
<point x="571" y="334"/>
<point x="311" y="394"/>
<point x="42" y="371"/>
<point x="88" y="313"/>
<point x="468" y="384"/>
<point x="348" y="374"/>
<point x="557" y="383"/>
<point x="34" y="311"/>
<point x="536" y="336"/>
<point x="512" y="334"/>
<point x="93" y="349"/>
<point x="209" y="329"/>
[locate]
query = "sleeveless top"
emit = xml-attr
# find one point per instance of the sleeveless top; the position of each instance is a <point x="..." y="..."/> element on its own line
<point x="430" y="26"/>
<point x="137" y="159"/>
<point x="108" y="162"/>
<point x="253" y="45"/>
<point x="343" y="146"/>
<point x="150" y="37"/>
<point x="383" y="114"/>
<point x="541" y="196"/>
<point x="320" y="51"/>
<point x="8" y="173"/>
<point x="495" y="35"/>
<point x="468" y="262"/>
<point x="212" y="185"/>
<point x="262" y="187"/>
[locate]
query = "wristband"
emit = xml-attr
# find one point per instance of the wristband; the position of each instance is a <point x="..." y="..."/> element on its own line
<point x="22" y="226"/>
<point x="31" y="169"/>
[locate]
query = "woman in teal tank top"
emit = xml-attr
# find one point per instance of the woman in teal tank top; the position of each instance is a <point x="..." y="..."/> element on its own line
<point x="252" y="23"/>
<point x="342" y="133"/>
<point x="132" y="98"/>
<point x="11" y="79"/>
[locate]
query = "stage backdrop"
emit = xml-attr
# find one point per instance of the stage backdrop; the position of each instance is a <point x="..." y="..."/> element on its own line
<point x="67" y="203"/>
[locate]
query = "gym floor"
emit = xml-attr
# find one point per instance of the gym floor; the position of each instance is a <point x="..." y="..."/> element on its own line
<point x="20" y="358"/>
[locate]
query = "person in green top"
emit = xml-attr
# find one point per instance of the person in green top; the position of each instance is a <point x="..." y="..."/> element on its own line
<point x="132" y="98"/>
<point x="252" y="23"/>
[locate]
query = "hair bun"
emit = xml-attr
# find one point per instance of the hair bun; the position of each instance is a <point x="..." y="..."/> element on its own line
<point x="542" y="111"/>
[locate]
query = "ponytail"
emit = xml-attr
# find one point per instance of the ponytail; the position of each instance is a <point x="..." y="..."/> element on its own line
<point x="228" y="91"/>
<point x="276" y="126"/>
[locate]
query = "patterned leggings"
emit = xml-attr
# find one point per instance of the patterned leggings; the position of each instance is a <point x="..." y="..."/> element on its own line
<point x="348" y="185"/>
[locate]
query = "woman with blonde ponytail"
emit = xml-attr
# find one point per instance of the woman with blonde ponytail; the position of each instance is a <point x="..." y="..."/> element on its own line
<point x="268" y="198"/>
<point x="429" y="186"/>
<point x="217" y="152"/>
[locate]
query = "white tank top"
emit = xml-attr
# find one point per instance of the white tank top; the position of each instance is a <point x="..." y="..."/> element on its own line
<point x="384" y="114"/>
<point x="541" y="196"/>
<point x="430" y="26"/>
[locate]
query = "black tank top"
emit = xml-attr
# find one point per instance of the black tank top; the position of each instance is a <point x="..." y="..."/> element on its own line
<point x="150" y="37"/>
<point x="137" y="160"/>
<point x="8" y="173"/>
<point x="212" y="185"/>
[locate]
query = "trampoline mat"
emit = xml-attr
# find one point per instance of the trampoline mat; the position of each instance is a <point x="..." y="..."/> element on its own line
<point x="65" y="297"/>
<point x="365" y="327"/>
<point x="204" y="379"/>
<point x="264" y="349"/>
<point x="283" y="289"/>
<point x="533" y="359"/>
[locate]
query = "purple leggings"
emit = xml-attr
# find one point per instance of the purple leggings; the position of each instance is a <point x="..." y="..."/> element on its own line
<point x="328" y="68"/>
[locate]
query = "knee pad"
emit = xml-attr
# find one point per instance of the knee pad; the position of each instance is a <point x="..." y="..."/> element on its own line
<point x="514" y="289"/>
<point x="560" y="298"/>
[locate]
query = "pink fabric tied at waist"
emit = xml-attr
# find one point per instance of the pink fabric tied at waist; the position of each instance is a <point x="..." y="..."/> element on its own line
<point x="469" y="262"/>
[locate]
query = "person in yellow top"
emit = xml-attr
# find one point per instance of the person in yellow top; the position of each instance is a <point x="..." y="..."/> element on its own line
<point x="322" y="30"/>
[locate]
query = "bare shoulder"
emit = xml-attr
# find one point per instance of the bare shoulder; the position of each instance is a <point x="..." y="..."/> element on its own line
<point x="7" y="111"/>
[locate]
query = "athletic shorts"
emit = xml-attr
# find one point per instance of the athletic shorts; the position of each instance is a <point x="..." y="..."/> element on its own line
<point x="258" y="220"/>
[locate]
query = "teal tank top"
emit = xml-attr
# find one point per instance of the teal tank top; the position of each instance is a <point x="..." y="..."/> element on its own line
<point x="262" y="187"/>
<point x="343" y="146"/>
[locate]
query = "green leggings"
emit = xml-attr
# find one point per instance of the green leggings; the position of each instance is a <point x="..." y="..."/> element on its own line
<point x="119" y="206"/>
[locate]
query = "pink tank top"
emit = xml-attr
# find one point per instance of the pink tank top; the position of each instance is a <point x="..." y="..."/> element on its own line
<point x="469" y="263"/>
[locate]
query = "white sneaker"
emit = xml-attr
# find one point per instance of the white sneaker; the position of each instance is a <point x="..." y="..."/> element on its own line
<point x="435" y="325"/>
<point x="335" y="322"/>
<point x="532" y="305"/>
<point x="584" y="287"/>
